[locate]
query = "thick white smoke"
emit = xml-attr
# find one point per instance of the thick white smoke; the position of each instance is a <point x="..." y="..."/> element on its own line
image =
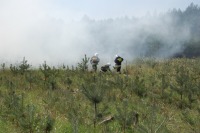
<point x="29" y="29"/>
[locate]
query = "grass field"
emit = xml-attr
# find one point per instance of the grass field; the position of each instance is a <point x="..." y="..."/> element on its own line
<point x="150" y="96"/>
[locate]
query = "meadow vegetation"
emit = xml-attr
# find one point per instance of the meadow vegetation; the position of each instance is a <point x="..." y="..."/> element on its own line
<point x="150" y="96"/>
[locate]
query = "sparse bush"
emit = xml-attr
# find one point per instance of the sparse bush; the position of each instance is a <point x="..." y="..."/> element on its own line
<point x="94" y="92"/>
<point x="138" y="86"/>
<point x="83" y="66"/>
<point x="46" y="70"/>
<point x="48" y="123"/>
<point x="24" y="66"/>
<point x="3" y="65"/>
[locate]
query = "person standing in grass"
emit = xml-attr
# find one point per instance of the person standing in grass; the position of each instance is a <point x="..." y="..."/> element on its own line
<point x="118" y="62"/>
<point x="94" y="61"/>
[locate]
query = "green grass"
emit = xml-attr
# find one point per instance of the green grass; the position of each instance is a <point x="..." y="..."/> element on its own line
<point x="159" y="91"/>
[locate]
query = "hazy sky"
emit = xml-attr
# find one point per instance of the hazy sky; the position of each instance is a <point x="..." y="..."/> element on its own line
<point x="97" y="9"/>
<point x="47" y="30"/>
<point x="116" y="8"/>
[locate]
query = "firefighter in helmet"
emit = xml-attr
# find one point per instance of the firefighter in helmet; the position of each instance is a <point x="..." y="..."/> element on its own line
<point x="94" y="61"/>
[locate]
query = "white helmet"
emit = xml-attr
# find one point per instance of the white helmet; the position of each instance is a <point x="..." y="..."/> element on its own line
<point x="108" y="64"/>
<point x="116" y="55"/>
<point x="96" y="54"/>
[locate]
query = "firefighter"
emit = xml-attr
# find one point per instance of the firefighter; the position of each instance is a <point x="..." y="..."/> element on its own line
<point x="106" y="67"/>
<point x="94" y="61"/>
<point x="118" y="62"/>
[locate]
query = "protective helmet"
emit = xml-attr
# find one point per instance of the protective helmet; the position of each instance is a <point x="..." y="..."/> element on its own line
<point x="116" y="55"/>
<point x="96" y="54"/>
<point x="108" y="64"/>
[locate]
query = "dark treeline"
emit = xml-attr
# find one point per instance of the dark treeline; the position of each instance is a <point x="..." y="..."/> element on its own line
<point x="191" y="18"/>
<point x="174" y="33"/>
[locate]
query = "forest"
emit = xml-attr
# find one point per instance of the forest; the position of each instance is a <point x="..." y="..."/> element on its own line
<point x="163" y="35"/>
<point x="191" y="17"/>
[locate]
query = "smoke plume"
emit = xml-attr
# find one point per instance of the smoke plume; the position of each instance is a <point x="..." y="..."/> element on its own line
<point x="28" y="30"/>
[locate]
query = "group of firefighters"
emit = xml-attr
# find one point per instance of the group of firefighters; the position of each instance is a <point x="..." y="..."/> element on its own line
<point x="95" y="60"/>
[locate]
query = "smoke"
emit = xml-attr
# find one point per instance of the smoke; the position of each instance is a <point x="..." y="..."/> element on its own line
<point x="32" y="29"/>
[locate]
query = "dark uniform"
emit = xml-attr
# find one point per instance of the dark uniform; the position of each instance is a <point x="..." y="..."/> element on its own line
<point x="118" y="61"/>
<point x="106" y="68"/>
